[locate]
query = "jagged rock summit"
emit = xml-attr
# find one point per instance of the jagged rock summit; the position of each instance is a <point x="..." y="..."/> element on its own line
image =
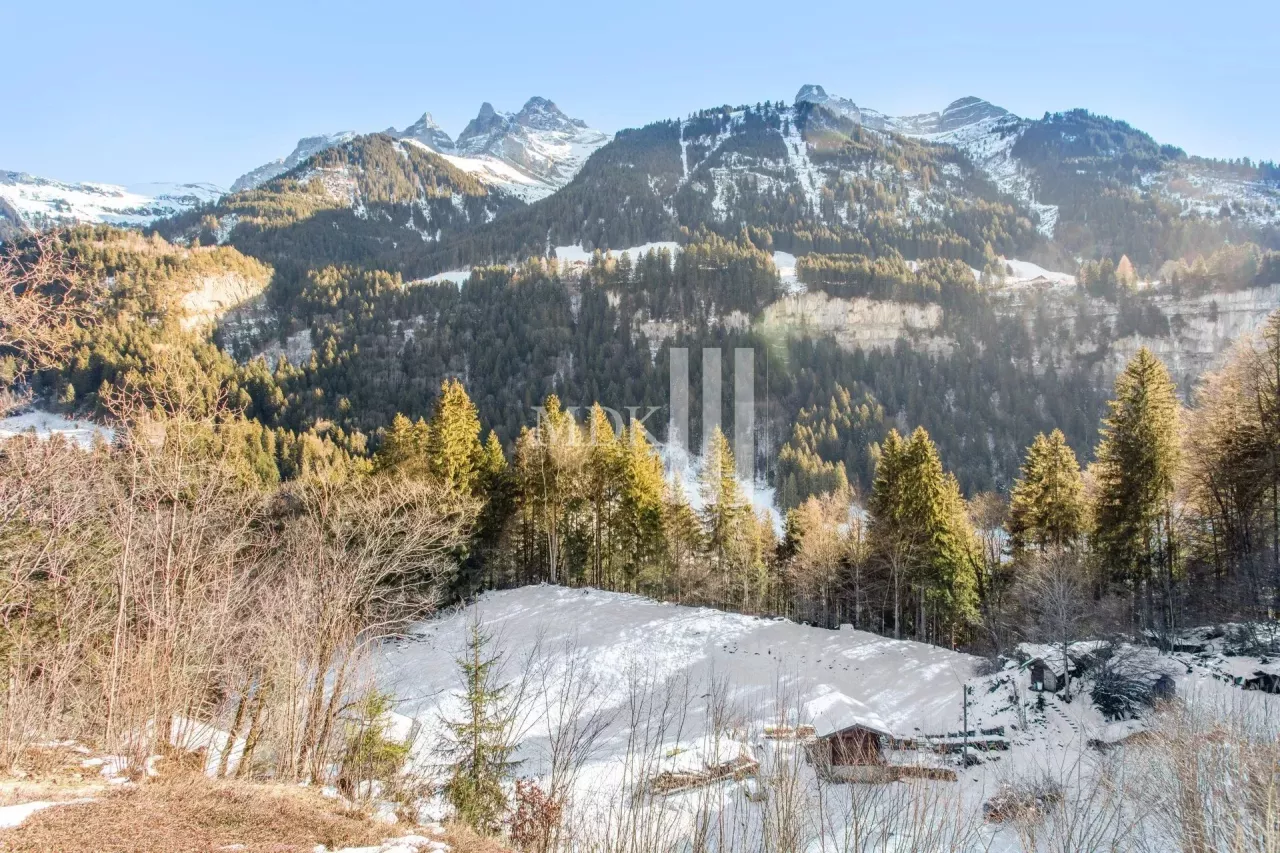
<point x="426" y="131"/>
<point x="308" y="146"/>
<point x="959" y="113"/>
<point x="540" y="141"/>
<point x="530" y="153"/>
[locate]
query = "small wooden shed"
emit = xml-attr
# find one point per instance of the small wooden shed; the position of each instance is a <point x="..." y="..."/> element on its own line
<point x="849" y="740"/>
<point x="1045" y="676"/>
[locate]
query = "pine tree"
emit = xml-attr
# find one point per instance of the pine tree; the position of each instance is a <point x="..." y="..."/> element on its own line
<point x="454" y="448"/>
<point x="405" y="448"/>
<point x="920" y="533"/>
<point x="723" y="504"/>
<point x="1047" y="504"/>
<point x="478" y="741"/>
<point x="1137" y="461"/>
<point x="640" y="513"/>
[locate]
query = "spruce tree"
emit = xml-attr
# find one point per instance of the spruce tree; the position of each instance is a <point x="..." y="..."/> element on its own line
<point x="549" y="463"/>
<point x="602" y="483"/>
<point x="1046" y="507"/>
<point x="723" y="504"/>
<point x="454" y="448"/>
<point x="1137" y="461"/>
<point x="478" y="740"/>
<point x="405" y="448"/>
<point x="920" y="533"/>
<point x="683" y="540"/>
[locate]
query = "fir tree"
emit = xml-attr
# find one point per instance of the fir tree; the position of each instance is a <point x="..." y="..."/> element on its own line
<point x="640" y="513"/>
<point x="1137" y="461"/>
<point x="478" y="741"/>
<point x="1047" y="504"/>
<point x="454" y="448"/>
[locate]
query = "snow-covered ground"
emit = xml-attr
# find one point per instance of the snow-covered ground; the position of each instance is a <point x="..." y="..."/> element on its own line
<point x="578" y="255"/>
<point x="11" y="816"/>
<point x="455" y="277"/>
<point x="498" y="173"/>
<point x="681" y="689"/>
<point x="45" y="203"/>
<point x="46" y="424"/>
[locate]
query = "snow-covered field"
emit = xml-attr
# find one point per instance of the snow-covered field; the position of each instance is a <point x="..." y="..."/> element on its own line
<point x="676" y="688"/>
<point x="578" y="255"/>
<point x="45" y="203"/>
<point x="46" y="424"/>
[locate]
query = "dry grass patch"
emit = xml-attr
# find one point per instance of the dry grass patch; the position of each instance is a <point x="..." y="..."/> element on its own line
<point x="50" y="773"/>
<point x="463" y="839"/>
<point x="195" y="815"/>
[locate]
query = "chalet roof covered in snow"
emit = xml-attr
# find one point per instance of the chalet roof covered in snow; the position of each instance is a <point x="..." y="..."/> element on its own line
<point x="835" y="712"/>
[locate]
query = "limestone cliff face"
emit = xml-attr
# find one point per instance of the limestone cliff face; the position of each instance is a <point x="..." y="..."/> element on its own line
<point x="1070" y="330"/>
<point x="1200" y="329"/>
<point x="856" y="323"/>
<point x="214" y="296"/>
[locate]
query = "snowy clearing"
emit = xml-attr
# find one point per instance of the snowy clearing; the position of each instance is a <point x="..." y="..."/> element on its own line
<point x="46" y="424"/>
<point x="579" y="255"/>
<point x="683" y="692"/>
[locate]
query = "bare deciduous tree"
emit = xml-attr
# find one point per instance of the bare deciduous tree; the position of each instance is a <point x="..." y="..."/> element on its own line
<point x="44" y="298"/>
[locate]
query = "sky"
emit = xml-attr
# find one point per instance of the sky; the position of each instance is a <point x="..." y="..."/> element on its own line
<point x="128" y="92"/>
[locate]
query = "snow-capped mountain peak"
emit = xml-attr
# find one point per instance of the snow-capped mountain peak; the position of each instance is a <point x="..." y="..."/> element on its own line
<point x="542" y="114"/>
<point x="487" y="123"/>
<point x="308" y="146"/>
<point x="530" y="153"/>
<point x="430" y="134"/>
<point x="957" y="114"/>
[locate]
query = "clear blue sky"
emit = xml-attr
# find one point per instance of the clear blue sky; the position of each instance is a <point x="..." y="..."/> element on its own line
<point x="128" y="92"/>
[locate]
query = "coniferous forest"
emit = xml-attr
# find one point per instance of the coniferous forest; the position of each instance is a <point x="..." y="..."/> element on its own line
<point x="376" y="387"/>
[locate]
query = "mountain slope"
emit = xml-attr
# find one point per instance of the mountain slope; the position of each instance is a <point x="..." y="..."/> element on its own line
<point x="373" y="200"/>
<point x="29" y="202"/>
<point x="808" y="175"/>
<point x="306" y="147"/>
<point x="528" y="154"/>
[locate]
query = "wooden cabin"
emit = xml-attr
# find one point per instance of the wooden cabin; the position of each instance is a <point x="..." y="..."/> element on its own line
<point x="857" y="744"/>
<point x="1045" y="676"/>
<point x="850" y="741"/>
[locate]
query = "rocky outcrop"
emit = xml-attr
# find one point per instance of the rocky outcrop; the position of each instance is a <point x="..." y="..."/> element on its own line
<point x="1201" y="329"/>
<point x="306" y="147"/>
<point x="856" y="323"/>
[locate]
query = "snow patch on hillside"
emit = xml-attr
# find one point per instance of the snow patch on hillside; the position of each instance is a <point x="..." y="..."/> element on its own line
<point x="806" y="173"/>
<point x="43" y="425"/>
<point x="43" y="203"/>
<point x="497" y="173"/>
<point x="578" y="255"/>
<point x="456" y="277"/>
<point x="786" y="264"/>
<point x="989" y="144"/>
